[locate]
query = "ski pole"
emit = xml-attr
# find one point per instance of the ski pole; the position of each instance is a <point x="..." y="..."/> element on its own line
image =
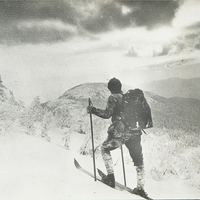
<point x="123" y="166"/>
<point x="144" y="131"/>
<point x="93" y="152"/>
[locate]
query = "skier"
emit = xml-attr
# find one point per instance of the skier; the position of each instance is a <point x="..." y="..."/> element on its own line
<point x="118" y="135"/>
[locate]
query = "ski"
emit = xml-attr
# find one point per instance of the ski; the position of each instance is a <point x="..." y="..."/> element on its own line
<point x="123" y="187"/>
<point x="78" y="166"/>
<point x="118" y="185"/>
<point x="83" y="170"/>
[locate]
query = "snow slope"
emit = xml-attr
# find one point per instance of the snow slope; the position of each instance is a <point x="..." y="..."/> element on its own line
<point x="34" y="169"/>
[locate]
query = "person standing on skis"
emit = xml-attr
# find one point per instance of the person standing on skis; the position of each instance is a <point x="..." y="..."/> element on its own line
<point x="118" y="135"/>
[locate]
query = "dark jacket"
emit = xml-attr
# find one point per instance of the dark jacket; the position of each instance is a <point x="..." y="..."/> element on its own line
<point x="113" y="108"/>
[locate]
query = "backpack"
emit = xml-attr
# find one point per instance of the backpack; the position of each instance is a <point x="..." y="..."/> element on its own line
<point x="136" y="113"/>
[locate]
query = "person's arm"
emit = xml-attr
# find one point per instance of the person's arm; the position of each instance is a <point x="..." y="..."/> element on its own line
<point x="108" y="112"/>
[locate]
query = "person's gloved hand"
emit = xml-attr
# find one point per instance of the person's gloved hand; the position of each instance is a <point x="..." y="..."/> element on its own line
<point x="89" y="109"/>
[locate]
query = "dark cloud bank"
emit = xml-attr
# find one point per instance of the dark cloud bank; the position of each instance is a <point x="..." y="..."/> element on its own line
<point x="87" y="17"/>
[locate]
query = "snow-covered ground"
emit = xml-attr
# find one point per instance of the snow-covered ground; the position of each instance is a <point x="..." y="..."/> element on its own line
<point x="34" y="169"/>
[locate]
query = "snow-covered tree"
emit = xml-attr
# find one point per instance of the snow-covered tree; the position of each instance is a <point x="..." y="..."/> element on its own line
<point x="67" y="139"/>
<point x="46" y="124"/>
<point x="31" y="116"/>
<point x="8" y="115"/>
<point x="62" y="117"/>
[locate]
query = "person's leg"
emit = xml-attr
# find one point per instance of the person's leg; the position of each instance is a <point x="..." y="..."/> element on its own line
<point x="108" y="145"/>
<point x="140" y="177"/>
<point x="135" y="150"/>
<point x="114" y="140"/>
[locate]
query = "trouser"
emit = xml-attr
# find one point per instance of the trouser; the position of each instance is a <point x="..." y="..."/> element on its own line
<point x="132" y="140"/>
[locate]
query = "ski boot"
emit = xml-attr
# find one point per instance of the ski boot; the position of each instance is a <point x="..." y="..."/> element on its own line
<point x="109" y="180"/>
<point x="141" y="193"/>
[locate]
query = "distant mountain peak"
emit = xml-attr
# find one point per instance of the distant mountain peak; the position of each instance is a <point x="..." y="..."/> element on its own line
<point x="172" y="113"/>
<point x="87" y="90"/>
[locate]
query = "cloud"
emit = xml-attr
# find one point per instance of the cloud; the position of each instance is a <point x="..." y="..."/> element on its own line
<point x="37" y="22"/>
<point x="32" y="10"/>
<point x="152" y="14"/>
<point x="188" y="14"/>
<point x="123" y="14"/>
<point x="194" y="26"/>
<point x="34" y="32"/>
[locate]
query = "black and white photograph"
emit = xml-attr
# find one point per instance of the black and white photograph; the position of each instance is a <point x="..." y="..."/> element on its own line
<point x="99" y="99"/>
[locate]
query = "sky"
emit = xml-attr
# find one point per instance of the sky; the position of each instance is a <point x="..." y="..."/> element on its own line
<point x="47" y="47"/>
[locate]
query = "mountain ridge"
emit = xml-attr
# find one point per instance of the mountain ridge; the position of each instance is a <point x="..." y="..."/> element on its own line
<point x="175" y="87"/>
<point x="171" y="113"/>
